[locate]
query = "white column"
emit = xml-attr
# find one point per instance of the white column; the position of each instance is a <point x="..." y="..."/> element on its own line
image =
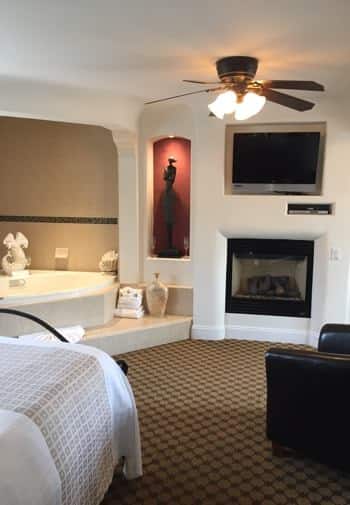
<point x="128" y="188"/>
<point x="208" y="243"/>
<point x="209" y="288"/>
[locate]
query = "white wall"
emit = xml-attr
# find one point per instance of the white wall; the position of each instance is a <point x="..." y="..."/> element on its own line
<point x="216" y="216"/>
<point x="265" y="216"/>
<point x="31" y="99"/>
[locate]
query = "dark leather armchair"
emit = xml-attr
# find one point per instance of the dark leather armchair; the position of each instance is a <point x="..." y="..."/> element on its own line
<point x="308" y="398"/>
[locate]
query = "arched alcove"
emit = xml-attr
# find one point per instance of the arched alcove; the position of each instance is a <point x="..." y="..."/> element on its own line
<point x="59" y="187"/>
<point x="163" y="149"/>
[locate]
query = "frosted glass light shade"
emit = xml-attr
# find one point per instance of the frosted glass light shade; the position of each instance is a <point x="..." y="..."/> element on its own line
<point x="250" y="105"/>
<point x="225" y="103"/>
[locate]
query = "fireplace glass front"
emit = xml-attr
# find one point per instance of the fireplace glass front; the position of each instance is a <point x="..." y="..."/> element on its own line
<point x="269" y="277"/>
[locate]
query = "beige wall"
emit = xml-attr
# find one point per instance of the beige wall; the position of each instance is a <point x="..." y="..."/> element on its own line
<point x="59" y="170"/>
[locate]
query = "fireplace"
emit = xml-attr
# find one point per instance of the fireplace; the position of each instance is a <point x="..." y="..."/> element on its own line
<point x="269" y="276"/>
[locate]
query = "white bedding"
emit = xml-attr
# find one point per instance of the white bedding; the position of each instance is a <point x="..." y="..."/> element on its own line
<point x="28" y="475"/>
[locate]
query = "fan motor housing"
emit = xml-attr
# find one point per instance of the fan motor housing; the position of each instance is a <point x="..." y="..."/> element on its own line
<point x="244" y="67"/>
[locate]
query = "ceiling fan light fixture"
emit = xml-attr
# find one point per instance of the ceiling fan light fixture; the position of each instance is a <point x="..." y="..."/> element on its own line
<point x="236" y="78"/>
<point x="225" y="103"/>
<point x="251" y="104"/>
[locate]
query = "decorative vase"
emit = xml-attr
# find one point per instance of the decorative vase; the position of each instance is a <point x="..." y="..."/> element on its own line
<point x="156" y="297"/>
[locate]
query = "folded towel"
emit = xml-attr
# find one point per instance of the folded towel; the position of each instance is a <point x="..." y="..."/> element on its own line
<point x="129" y="304"/>
<point x="130" y="299"/>
<point x="132" y="292"/>
<point x="72" y="333"/>
<point x="135" y="296"/>
<point x="129" y="313"/>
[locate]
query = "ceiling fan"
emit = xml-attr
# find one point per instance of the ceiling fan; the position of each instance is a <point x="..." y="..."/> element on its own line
<point x="242" y="94"/>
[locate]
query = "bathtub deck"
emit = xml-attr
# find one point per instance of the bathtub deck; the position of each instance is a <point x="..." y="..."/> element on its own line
<point x="125" y="335"/>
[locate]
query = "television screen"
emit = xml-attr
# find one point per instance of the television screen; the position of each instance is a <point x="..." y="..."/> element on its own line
<point x="275" y="158"/>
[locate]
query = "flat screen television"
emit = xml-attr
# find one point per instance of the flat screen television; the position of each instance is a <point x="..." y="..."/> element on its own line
<point x="277" y="162"/>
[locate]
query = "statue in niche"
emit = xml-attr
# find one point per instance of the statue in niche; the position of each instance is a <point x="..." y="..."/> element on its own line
<point x="169" y="200"/>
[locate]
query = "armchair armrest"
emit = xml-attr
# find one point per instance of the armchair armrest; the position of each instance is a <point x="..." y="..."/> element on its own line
<point x="308" y="403"/>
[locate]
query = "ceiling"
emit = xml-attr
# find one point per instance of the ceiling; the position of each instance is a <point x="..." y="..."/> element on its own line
<point x="143" y="48"/>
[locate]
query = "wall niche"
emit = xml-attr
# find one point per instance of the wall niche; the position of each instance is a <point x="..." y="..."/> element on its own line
<point x="171" y="197"/>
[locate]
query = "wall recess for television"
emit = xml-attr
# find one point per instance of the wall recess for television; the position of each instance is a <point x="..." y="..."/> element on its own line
<point x="171" y="197"/>
<point x="275" y="159"/>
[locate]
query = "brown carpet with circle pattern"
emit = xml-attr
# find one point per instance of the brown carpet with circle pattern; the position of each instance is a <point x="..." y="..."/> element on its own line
<point x="202" y="415"/>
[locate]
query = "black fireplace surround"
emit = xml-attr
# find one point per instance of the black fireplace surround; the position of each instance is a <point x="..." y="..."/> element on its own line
<point x="269" y="277"/>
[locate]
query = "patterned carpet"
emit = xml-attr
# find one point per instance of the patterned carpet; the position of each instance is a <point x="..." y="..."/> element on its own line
<point x="202" y="415"/>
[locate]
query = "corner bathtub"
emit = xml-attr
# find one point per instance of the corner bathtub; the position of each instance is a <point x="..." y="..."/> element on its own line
<point x="62" y="298"/>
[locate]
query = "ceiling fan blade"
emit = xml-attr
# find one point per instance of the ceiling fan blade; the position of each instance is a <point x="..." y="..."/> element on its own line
<point x="302" y="85"/>
<point x="287" y="100"/>
<point x="200" y="82"/>
<point x="183" y="94"/>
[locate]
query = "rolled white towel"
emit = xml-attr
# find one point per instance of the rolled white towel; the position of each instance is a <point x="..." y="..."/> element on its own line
<point x="72" y="333"/>
<point x="129" y="313"/>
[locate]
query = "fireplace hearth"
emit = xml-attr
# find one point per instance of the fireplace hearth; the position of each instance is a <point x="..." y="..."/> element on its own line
<point x="269" y="276"/>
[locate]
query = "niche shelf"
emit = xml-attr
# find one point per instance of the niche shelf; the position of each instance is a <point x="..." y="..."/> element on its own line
<point x="163" y="149"/>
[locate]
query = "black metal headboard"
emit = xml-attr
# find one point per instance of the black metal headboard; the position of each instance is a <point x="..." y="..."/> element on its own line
<point x="37" y="320"/>
<point x="123" y="364"/>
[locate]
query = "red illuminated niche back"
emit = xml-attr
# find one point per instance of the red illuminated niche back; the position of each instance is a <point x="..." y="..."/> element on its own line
<point x="180" y="149"/>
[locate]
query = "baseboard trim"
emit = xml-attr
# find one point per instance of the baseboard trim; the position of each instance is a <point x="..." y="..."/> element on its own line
<point x="280" y="335"/>
<point x="206" y="332"/>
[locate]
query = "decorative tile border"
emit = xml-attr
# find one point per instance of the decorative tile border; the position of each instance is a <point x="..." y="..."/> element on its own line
<point x="65" y="220"/>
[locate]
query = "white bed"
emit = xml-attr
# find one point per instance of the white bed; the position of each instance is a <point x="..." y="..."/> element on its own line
<point x="67" y="416"/>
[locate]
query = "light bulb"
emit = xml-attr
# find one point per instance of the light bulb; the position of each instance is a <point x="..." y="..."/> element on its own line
<point x="216" y="109"/>
<point x="250" y="105"/>
<point x="225" y="103"/>
<point x="228" y="101"/>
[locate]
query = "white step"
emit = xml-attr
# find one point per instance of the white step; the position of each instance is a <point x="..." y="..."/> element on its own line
<point x="125" y="335"/>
